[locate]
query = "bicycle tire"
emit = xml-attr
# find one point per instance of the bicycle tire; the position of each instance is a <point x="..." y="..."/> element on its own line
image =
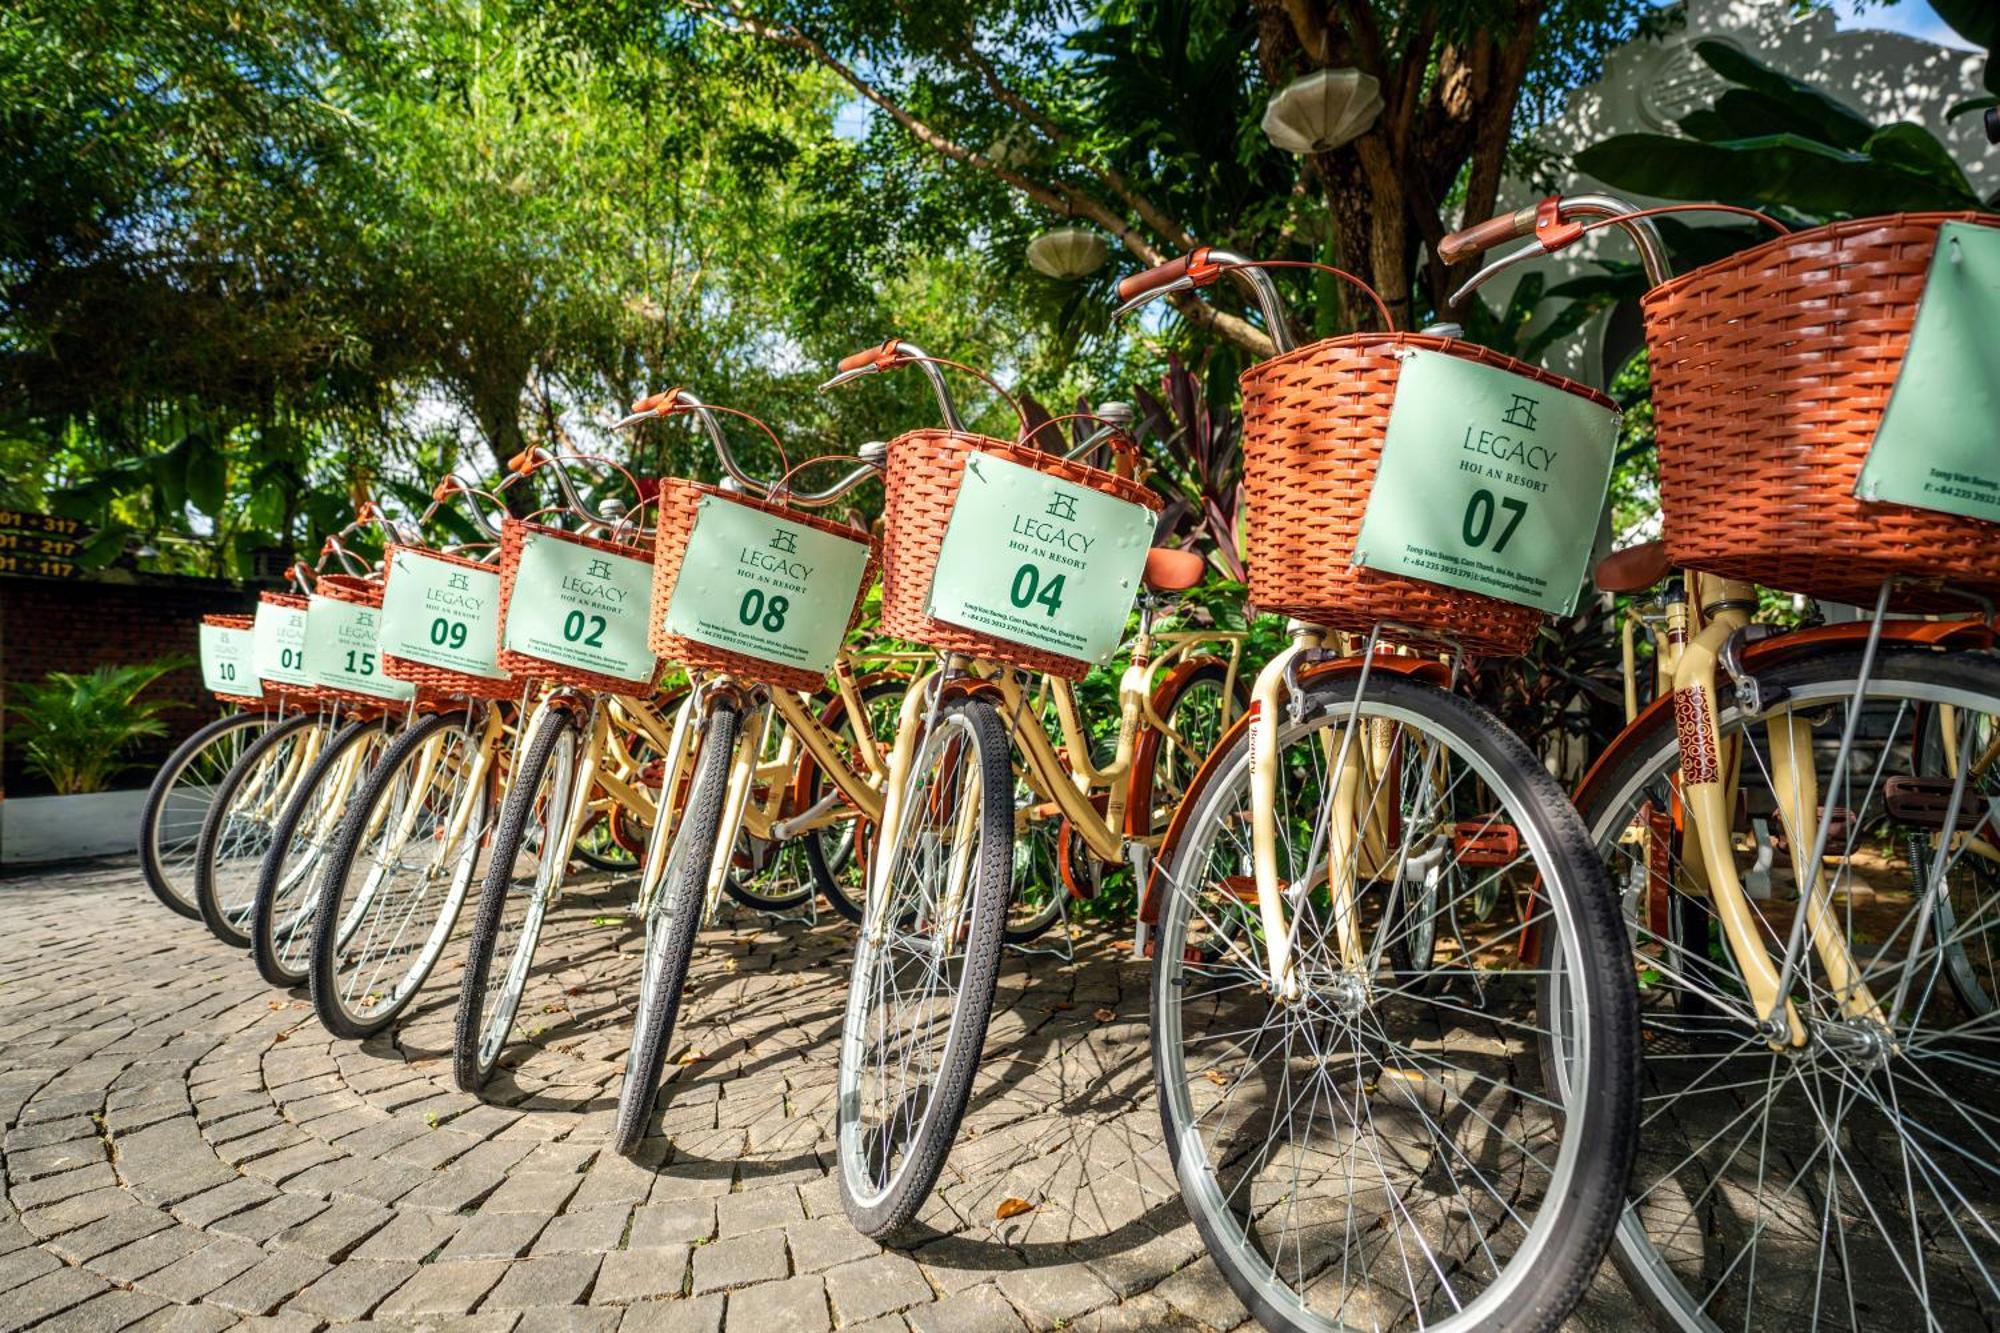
<point x="283" y="890"/>
<point x="879" y="1209"/>
<point x="207" y="887"/>
<point x="1547" y="1272"/>
<point x="672" y="924"/>
<point x="1819" y="685"/>
<point x="159" y="860"/>
<point x="475" y="1048"/>
<point x="827" y="864"/>
<point x="332" y="931"/>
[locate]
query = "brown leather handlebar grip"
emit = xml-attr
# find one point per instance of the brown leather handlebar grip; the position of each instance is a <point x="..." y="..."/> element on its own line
<point x="1471" y="240"/>
<point x="873" y="356"/>
<point x="1160" y="275"/>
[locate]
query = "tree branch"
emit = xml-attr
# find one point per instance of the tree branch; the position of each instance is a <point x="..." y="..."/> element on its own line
<point x="1056" y="196"/>
<point x="1115" y="180"/>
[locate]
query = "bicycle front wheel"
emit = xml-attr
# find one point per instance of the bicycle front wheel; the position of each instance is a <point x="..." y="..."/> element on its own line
<point x="925" y="968"/>
<point x="1357" y="1151"/>
<point x="240" y="824"/>
<point x="672" y="919"/>
<point x="1847" y="1182"/>
<point x="282" y="914"/>
<point x="179" y="800"/>
<point x="522" y="882"/>
<point x="397" y="876"/>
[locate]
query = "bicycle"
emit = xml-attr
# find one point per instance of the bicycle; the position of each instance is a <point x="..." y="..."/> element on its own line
<point x="343" y="656"/>
<point x="589" y="649"/>
<point x="973" y="767"/>
<point x="754" y="595"/>
<point x="403" y="856"/>
<point x="1800" y="824"/>
<point x="1354" y="1082"/>
<point x="181" y="793"/>
<point x="238" y="828"/>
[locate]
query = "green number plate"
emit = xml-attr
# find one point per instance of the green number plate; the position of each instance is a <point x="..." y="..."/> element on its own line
<point x="229" y="662"/>
<point x="442" y="614"/>
<point x="753" y="583"/>
<point x="1936" y="447"/>
<point x="279" y="644"/>
<point x="1036" y="561"/>
<point x="343" y="649"/>
<point x="582" y="608"/>
<point x="1489" y="482"/>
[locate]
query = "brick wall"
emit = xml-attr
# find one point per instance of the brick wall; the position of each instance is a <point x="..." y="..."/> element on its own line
<point x="48" y="625"/>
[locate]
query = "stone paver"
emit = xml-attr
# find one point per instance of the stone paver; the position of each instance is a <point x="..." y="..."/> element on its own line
<point x="187" y="1149"/>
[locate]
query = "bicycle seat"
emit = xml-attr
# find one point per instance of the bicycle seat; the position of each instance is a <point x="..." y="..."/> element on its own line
<point x="1168" y="570"/>
<point x="1634" y="569"/>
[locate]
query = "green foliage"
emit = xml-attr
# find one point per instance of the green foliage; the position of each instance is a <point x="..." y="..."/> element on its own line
<point x="75" y="729"/>
<point x="1775" y="142"/>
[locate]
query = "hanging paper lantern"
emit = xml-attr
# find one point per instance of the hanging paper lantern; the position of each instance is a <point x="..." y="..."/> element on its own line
<point x="1068" y="253"/>
<point x="1323" y="110"/>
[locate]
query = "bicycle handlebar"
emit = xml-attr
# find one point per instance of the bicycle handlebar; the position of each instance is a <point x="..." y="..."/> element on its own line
<point x="891" y="354"/>
<point x="1469" y="241"/>
<point x="1554" y="223"/>
<point x="1200" y="267"/>
<point x="674" y="402"/>
<point x="535" y="456"/>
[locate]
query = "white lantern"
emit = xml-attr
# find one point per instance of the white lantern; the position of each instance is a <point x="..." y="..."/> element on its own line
<point x="1323" y="110"/>
<point x="1068" y="253"/>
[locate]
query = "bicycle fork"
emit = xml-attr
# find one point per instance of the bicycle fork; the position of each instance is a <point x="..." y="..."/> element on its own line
<point x="1708" y="790"/>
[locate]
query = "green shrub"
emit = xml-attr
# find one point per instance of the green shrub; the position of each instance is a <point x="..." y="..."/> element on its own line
<point x="76" y="729"/>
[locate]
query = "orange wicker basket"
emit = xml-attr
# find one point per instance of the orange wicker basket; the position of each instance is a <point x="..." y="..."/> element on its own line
<point x="364" y="592"/>
<point x="924" y="471"/>
<point x="280" y="693"/>
<point x="1771" y="371"/>
<point x="679" y="501"/>
<point x="253" y="703"/>
<point x="513" y="532"/>
<point x="1314" y="422"/>
<point x="442" y="681"/>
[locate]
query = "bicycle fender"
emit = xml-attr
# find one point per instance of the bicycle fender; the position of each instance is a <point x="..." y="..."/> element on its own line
<point x="1419" y="668"/>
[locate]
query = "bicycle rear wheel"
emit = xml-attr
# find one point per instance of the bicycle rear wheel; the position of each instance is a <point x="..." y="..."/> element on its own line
<point x="837" y="856"/>
<point x="1365" y="1152"/>
<point x="397" y="875"/>
<point x="522" y="882"/>
<point x="1847" y="1183"/>
<point x="239" y="827"/>
<point x="282" y="913"/>
<point x="178" y="802"/>
<point x="672" y="920"/>
<point x="921" y="991"/>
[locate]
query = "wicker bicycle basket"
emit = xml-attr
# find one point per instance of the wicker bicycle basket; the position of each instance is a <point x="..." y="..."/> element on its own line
<point x="246" y="701"/>
<point x="679" y="502"/>
<point x="513" y="533"/>
<point x="435" y="679"/>
<point x="925" y="468"/>
<point x="365" y="592"/>
<point x="278" y="693"/>
<point x="1771" y="372"/>
<point x="1314" y="423"/>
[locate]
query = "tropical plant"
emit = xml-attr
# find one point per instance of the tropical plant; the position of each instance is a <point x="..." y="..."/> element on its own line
<point x="1774" y="142"/>
<point x="76" y="729"/>
<point x="1195" y="448"/>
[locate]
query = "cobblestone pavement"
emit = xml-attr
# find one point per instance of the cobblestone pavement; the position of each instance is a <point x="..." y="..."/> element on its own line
<point x="187" y="1148"/>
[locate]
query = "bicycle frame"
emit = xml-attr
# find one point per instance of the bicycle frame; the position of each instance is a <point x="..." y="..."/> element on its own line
<point x="1068" y="783"/>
